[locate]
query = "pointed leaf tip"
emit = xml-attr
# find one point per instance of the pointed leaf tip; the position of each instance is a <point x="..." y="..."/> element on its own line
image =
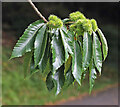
<point x="97" y="54"/>
<point x="26" y="41"/>
<point x="104" y="43"/>
<point x="92" y="75"/>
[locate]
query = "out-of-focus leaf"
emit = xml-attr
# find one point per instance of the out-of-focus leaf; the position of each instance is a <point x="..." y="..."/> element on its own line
<point x="97" y="55"/>
<point x="59" y="79"/>
<point x="40" y="44"/>
<point x="69" y="79"/>
<point x="33" y="69"/>
<point x="29" y="67"/>
<point x="49" y="81"/>
<point x="77" y="62"/>
<point x="87" y="50"/>
<point x="27" y="61"/>
<point x="66" y="20"/>
<point x="104" y="43"/>
<point x="26" y="41"/>
<point x="83" y="75"/>
<point x="92" y="75"/>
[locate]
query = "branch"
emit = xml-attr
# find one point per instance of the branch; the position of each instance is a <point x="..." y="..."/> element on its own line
<point x="33" y="6"/>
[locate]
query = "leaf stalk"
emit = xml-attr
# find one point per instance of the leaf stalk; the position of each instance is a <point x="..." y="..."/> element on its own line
<point x="37" y="11"/>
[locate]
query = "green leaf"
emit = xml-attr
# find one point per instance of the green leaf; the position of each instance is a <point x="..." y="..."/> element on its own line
<point x="40" y="44"/>
<point x="29" y="68"/>
<point x="59" y="79"/>
<point x="68" y="39"/>
<point x="68" y="43"/>
<point x="26" y="42"/>
<point x="92" y="75"/>
<point x="69" y="79"/>
<point x="43" y="62"/>
<point x="97" y="55"/>
<point x="33" y="69"/>
<point x="49" y="81"/>
<point x="77" y="62"/>
<point x="58" y="52"/>
<point x="68" y="64"/>
<point x="27" y="61"/>
<point x="64" y="44"/>
<point x="104" y="43"/>
<point x="83" y="75"/>
<point x="87" y="50"/>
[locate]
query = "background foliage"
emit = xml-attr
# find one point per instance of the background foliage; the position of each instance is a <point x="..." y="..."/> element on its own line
<point x="17" y="16"/>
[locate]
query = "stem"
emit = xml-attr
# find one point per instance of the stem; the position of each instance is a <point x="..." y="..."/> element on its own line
<point x="33" y="6"/>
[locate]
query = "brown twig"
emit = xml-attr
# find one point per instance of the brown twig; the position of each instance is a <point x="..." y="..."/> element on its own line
<point x="37" y="11"/>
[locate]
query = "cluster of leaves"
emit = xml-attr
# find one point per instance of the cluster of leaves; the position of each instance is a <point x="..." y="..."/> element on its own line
<point x="69" y="53"/>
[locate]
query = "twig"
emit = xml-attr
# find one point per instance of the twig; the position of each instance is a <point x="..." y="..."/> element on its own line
<point x="37" y="11"/>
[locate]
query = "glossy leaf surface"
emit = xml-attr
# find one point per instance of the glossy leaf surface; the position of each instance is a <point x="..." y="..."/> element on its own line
<point x="92" y="75"/>
<point x="26" y="41"/>
<point x="87" y="50"/>
<point x="97" y="54"/>
<point x="40" y="45"/>
<point x="104" y="43"/>
<point x="77" y="63"/>
<point x="64" y="44"/>
<point x="43" y="62"/>
<point x="68" y="39"/>
<point x="58" y="52"/>
<point x="59" y="79"/>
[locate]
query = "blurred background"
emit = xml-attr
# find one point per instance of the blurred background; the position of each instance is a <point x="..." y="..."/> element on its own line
<point x="17" y="16"/>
